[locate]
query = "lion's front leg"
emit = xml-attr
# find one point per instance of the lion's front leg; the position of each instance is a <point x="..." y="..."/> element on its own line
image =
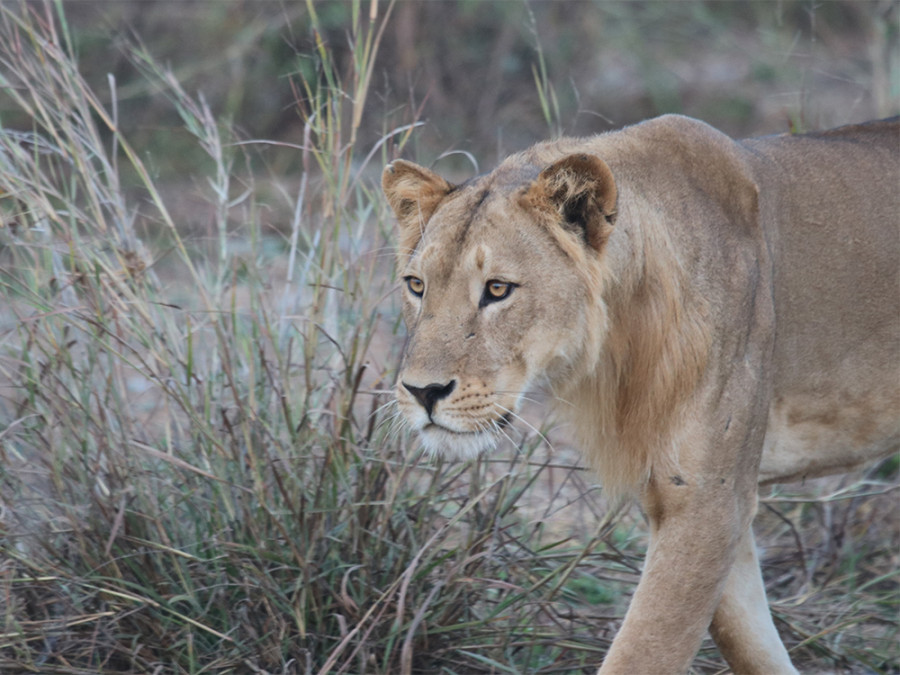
<point x="742" y="625"/>
<point x="696" y="525"/>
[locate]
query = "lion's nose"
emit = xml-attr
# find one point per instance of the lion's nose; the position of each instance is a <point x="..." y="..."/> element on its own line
<point x="430" y="394"/>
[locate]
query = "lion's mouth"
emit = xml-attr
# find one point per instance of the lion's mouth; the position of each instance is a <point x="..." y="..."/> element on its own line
<point x="465" y="444"/>
<point x="495" y="425"/>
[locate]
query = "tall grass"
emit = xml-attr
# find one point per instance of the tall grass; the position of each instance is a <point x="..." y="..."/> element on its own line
<point x="198" y="471"/>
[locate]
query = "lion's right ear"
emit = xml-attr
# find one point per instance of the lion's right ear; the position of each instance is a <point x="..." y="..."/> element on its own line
<point x="414" y="193"/>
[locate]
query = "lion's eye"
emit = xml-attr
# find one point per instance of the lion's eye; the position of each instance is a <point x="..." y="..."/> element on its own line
<point x="415" y="285"/>
<point x="496" y="290"/>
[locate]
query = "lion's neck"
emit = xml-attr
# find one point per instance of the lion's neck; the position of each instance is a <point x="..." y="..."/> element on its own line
<point x="652" y="354"/>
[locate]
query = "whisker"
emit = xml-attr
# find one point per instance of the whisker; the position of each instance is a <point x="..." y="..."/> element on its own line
<point x="549" y="397"/>
<point x="379" y="409"/>
<point x="397" y="425"/>
<point x="392" y="423"/>
<point x="384" y="414"/>
<point x="501" y="431"/>
<point x="528" y="424"/>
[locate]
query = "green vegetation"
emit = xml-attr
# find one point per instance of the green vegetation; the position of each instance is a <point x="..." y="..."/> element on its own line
<point x="199" y="467"/>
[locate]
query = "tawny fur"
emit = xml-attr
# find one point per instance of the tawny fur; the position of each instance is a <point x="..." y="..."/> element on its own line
<point x="711" y="314"/>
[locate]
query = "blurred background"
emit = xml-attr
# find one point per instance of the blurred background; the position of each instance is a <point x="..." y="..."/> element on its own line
<point x="472" y="69"/>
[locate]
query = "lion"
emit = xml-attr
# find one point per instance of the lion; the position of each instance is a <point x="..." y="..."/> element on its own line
<point x="712" y="314"/>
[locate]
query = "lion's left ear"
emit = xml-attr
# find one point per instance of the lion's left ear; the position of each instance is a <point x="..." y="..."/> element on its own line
<point x="581" y="189"/>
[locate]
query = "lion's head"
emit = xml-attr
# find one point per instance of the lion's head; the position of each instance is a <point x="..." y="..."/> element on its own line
<point x="501" y="283"/>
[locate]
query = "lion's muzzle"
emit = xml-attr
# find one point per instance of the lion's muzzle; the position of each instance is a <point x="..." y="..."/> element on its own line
<point x="456" y="417"/>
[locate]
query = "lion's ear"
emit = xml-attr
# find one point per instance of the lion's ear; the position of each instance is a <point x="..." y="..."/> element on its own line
<point x="581" y="189"/>
<point x="413" y="193"/>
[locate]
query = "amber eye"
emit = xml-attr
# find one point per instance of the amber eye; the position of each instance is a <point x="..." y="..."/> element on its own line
<point x="416" y="286"/>
<point x="498" y="289"/>
<point x="495" y="291"/>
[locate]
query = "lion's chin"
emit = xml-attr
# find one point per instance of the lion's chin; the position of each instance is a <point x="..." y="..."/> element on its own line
<point x="441" y="442"/>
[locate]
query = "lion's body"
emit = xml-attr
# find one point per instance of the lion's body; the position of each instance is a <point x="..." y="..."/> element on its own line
<point x="836" y="243"/>
<point x="712" y="313"/>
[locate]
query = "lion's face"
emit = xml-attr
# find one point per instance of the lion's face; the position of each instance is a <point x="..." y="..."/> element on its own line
<point x="498" y="298"/>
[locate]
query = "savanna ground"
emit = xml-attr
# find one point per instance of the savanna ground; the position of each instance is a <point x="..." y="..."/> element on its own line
<point x="199" y="330"/>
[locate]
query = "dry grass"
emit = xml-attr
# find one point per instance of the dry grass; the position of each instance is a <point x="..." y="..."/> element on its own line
<point x="198" y="472"/>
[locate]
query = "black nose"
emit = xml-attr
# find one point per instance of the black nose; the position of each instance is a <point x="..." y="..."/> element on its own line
<point x="429" y="395"/>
